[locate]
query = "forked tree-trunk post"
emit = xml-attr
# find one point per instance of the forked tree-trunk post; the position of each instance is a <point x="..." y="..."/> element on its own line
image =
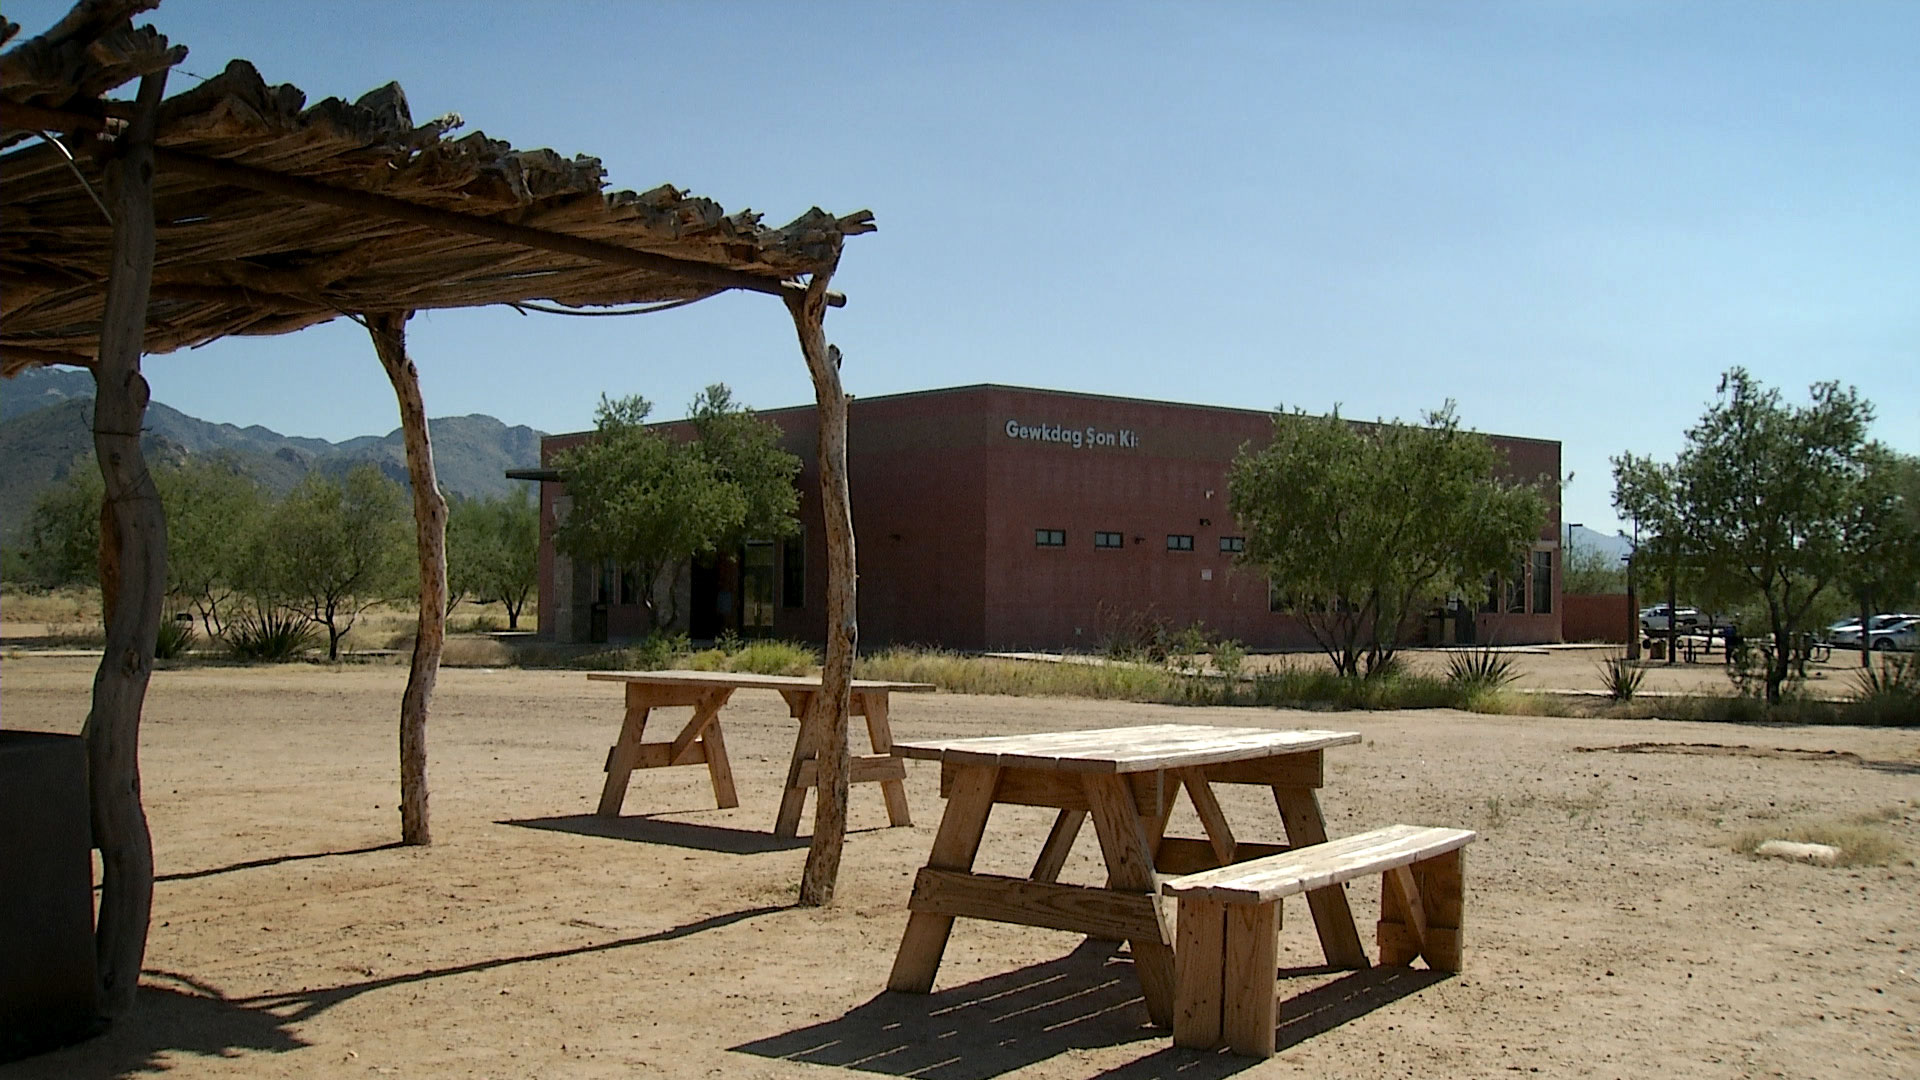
<point x="389" y="332"/>
<point x="825" y="726"/>
<point x="133" y="557"/>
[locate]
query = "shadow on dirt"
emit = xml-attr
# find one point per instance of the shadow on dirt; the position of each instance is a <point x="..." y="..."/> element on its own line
<point x="177" y="1015"/>
<point x="1085" y="1000"/>
<point x="681" y="834"/>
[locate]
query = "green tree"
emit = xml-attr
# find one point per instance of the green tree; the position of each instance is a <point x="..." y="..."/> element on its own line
<point x="214" y="515"/>
<point x="1881" y="538"/>
<point x="1592" y="571"/>
<point x="333" y="548"/>
<point x="745" y="452"/>
<point x="1760" y="500"/>
<point x="643" y="500"/>
<point x="62" y="540"/>
<point x="1362" y="525"/>
<point x="493" y="551"/>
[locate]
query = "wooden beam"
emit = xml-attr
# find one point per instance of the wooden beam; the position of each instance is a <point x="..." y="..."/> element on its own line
<point x="1103" y="913"/>
<point x="826" y="721"/>
<point x="17" y="358"/>
<point x="234" y="174"/>
<point x="389" y="332"/>
<point x="133" y="541"/>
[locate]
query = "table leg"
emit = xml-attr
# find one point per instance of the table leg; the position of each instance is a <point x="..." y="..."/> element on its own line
<point x="874" y="704"/>
<point x="793" y="798"/>
<point x="719" y="767"/>
<point x="1129" y="854"/>
<point x="969" y="802"/>
<point x="1332" y="918"/>
<point x="624" y="754"/>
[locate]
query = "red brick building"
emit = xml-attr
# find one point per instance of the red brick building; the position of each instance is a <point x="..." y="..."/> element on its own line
<point x="996" y="517"/>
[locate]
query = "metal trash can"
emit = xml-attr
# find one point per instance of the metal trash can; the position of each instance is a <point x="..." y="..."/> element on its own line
<point x="46" y="893"/>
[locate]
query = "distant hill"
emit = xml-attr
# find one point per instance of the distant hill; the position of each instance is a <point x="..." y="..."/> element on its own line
<point x="46" y="420"/>
<point x="1581" y="538"/>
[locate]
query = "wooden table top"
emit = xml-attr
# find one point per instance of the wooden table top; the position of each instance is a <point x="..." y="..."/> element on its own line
<point x="1125" y="749"/>
<point x="745" y="681"/>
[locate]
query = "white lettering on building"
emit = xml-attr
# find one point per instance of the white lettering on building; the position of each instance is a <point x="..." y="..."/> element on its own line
<point x="1076" y="437"/>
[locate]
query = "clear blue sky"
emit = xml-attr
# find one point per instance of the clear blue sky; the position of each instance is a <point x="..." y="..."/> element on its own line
<point x="1568" y="217"/>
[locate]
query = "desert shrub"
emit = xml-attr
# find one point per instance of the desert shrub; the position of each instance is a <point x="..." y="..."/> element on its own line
<point x="728" y="642"/>
<point x="1480" y="669"/>
<point x="271" y="635"/>
<point x="1130" y="635"/>
<point x="483" y="624"/>
<point x="706" y="660"/>
<point x="659" y="651"/>
<point x="1621" y="677"/>
<point x="175" y="638"/>
<point x="774" y="658"/>
<point x="1887" y="693"/>
<point x="1229" y="656"/>
<point x="1317" y="687"/>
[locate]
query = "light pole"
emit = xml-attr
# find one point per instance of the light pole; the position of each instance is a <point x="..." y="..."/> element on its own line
<point x="1633" y="612"/>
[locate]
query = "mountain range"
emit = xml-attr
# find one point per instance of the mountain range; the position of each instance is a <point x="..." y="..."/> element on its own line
<point x="46" y="426"/>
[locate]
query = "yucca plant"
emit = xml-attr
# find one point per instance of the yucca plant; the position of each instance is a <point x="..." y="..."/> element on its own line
<point x="1480" y="669"/>
<point x="1620" y="677"/>
<point x="176" y="637"/>
<point x="271" y="635"/>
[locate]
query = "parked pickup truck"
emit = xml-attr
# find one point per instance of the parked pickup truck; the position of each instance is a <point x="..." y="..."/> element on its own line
<point x="1656" y="619"/>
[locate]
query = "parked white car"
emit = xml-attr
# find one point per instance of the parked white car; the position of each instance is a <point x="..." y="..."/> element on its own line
<point x="1656" y="619"/>
<point x="1904" y="635"/>
<point x="1846" y="632"/>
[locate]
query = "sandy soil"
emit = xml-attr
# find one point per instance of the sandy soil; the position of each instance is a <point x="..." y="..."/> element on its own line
<point x="1612" y="932"/>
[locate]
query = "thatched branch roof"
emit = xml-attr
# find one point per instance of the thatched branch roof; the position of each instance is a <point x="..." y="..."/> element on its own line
<point x="274" y="215"/>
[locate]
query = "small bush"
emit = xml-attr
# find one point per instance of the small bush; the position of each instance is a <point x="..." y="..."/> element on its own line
<point x="706" y="660"/>
<point x="660" y="651"/>
<point x="176" y="637"/>
<point x="1621" y="677"/>
<point x="1229" y="656"/>
<point x="271" y="635"/>
<point x="728" y="642"/>
<point x="483" y="624"/>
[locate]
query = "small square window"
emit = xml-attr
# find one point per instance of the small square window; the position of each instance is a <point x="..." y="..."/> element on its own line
<point x="1049" y="538"/>
<point x="1109" y="540"/>
<point x="1179" y="541"/>
<point x="1233" y="544"/>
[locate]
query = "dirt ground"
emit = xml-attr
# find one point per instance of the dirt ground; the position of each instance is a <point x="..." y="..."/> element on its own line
<point x="1611" y="929"/>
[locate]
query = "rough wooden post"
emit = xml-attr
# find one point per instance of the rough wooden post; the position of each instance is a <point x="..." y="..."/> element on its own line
<point x="389" y="332"/>
<point x="825" y="726"/>
<point x="133" y="548"/>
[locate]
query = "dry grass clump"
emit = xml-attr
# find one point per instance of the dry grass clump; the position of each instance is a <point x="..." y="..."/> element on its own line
<point x="958" y="673"/>
<point x="1863" y="840"/>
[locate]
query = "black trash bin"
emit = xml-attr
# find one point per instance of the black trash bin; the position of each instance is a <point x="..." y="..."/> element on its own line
<point x="46" y="893"/>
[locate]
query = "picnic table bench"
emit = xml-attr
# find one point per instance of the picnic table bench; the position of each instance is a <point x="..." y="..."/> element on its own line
<point x="1229" y="923"/>
<point x="701" y="740"/>
<point x="1126" y="780"/>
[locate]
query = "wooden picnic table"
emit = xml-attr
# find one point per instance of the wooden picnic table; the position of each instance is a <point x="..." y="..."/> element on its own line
<point x="1127" y="779"/>
<point x="701" y="740"/>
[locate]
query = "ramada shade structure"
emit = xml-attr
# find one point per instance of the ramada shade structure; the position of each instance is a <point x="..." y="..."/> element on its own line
<point x="148" y="225"/>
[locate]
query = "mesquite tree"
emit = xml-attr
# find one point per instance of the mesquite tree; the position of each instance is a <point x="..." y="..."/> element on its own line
<point x="1763" y="498"/>
<point x="1359" y="525"/>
